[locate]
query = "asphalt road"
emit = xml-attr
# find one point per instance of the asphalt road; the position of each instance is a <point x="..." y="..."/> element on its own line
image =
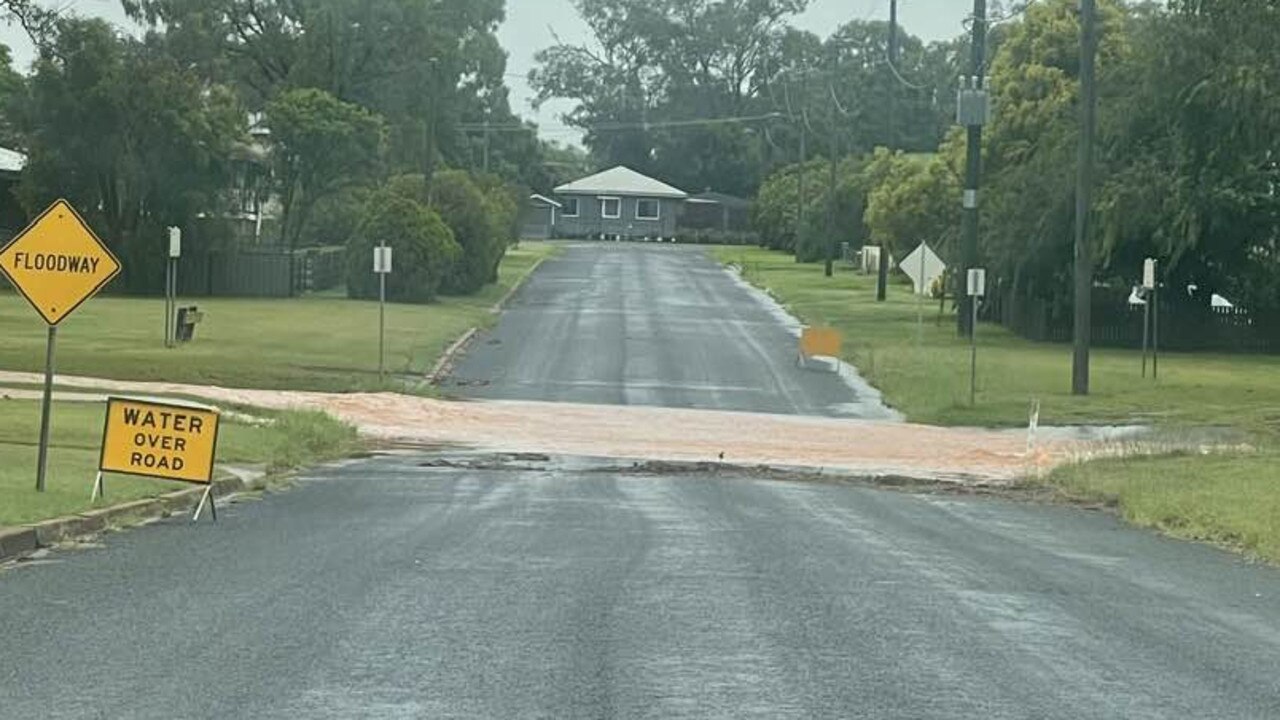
<point x="648" y="324"/>
<point x="385" y="589"/>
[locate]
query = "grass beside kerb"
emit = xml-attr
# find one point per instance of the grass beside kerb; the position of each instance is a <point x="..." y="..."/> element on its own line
<point x="320" y="343"/>
<point x="294" y="440"/>
<point x="1232" y="499"/>
<point x="924" y="370"/>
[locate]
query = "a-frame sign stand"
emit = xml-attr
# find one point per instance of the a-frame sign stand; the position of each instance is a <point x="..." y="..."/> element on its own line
<point x="207" y="497"/>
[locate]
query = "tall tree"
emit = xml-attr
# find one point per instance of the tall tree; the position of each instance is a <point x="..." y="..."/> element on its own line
<point x="655" y="69"/>
<point x="424" y="65"/>
<point x="1193" y="150"/>
<point x="319" y="145"/>
<point x="132" y="137"/>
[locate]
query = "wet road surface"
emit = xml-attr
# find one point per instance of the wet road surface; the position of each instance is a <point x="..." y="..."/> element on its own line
<point x="386" y="589"/>
<point x="649" y="324"/>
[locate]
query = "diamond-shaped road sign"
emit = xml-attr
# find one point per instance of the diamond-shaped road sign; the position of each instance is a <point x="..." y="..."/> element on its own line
<point x="923" y="266"/>
<point x="58" y="263"/>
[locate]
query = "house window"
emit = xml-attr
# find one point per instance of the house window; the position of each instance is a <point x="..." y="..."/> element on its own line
<point x="610" y="208"/>
<point x="647" y="209"/>
<point x="569" y="208"/>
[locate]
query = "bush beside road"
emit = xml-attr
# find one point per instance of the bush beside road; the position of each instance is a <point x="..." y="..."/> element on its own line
<point x="311" y="343"/>
<point x="924" y="372"/>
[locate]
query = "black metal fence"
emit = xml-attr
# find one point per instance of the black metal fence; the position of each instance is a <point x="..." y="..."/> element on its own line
<point x="1186" y="324"/>
<point x="265" y="273"/>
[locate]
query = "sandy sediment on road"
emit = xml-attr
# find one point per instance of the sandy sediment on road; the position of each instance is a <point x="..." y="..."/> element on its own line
<point x="630" y="432"/>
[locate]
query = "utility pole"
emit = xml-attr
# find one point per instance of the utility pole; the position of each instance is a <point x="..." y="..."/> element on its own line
<point x="882" y="274"/>
<point x="486" y="144"/>
<point x="804" y="160"/>
<point x="831" y="204"/>
<point x="973" y="162"/>
<point x="893" y="60"/>
<point x="831" y="180"/>
<point x="1084" y="198"/>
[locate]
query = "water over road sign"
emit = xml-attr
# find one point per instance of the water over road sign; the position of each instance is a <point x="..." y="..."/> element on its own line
<point x="169" y="440"/>
<point x="57" y="262"/>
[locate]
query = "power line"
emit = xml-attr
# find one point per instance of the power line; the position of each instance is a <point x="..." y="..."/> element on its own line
<point x="621" y="126"/>
<point x="893" y="68"/>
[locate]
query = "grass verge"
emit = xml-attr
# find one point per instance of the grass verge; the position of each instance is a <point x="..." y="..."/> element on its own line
<point x="1231" y="500"/>
<point x="313" y="343"/>
<point x="295" y="439"/>
<point x="909" y="350"/>
<point x="923" y="368"/>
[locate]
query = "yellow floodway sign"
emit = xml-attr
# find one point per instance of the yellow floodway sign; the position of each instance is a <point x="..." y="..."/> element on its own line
<point x="58" y="263"/>
<point x="160" y="440"/>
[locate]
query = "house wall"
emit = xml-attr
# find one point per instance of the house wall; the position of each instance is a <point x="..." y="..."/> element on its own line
<point x="590" y="223"/>
<point x="535" y="221"/>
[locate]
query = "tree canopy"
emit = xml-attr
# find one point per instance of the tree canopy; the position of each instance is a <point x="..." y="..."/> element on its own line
<point x="715" y="94"/>
<point x="319" y="101"/>
<point x="1188" y="169"/>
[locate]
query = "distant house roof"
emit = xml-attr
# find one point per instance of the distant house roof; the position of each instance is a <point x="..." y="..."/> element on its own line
<point x="621" y="181"/>
<point x="544" y="200"/>
<point x="11" y="161"/>
<point x="720" y="199"/>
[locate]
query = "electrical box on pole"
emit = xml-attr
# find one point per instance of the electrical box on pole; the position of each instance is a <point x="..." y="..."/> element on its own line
<point x="973" y="102"/>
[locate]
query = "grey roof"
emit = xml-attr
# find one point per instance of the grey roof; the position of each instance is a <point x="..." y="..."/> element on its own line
<point x="621" y="181"/>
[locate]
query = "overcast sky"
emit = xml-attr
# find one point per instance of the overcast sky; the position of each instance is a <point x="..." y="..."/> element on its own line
<point x="532" y="24"/>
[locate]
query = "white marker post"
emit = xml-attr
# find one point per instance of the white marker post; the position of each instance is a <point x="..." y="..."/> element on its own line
<point x="1148" y="285"/>
<point x="977" y="289"/>
<point x="171" y="287"/>
<point x="382" y="267"/>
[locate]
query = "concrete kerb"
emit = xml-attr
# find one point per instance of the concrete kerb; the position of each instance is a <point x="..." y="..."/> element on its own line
<point x="451" y="354"/>
<point x="18" y="542"/>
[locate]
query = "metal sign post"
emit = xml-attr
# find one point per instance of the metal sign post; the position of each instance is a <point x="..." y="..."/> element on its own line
<point x="920" y="300"/>
<point x="977" y="288"/>
<point x="382" y="266"/>
<point x="46" y="409"/>
<point x="171" y="287"/>
<point x="56" y="263"/>
<point x="1148" y="286"/>
<point x="1155" y="331"/>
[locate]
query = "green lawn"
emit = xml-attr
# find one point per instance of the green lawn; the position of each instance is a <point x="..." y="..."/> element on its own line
<point x="314" y="343"/>
<point x="295" y="439"/>
<point x="1232" y="500"/>
<point x="924" y="372"/>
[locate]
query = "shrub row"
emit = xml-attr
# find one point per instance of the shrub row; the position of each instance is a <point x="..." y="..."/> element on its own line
<point x="446" y="237"/>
